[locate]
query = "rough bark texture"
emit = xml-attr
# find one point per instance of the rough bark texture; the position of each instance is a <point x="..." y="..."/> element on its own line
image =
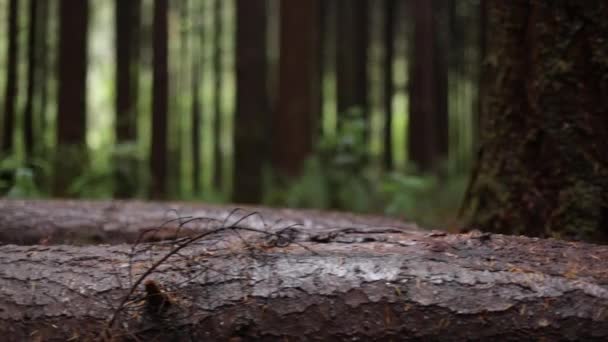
<point x="70" y="159"/>
<point x="293" y="122"/>
<point x="251" y="146"/>
<point x="160" y="106"/>
<point x="319" y="282"/>
<point x="544" y="131"/>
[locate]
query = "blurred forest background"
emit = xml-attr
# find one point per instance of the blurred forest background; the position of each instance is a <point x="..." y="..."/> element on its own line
<point x="359" y="105"/>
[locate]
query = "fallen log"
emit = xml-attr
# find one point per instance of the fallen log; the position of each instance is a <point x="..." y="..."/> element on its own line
<point x="27" y="222"/>
<point x="240" y="281"/>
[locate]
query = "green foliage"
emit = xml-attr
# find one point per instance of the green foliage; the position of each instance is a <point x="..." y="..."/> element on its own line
<point x="337" y="176"/>
<point x="340" y="175"/>
<point x="23" y="186"/>
<point x="18" y="180"/>
<point x="426" y="199"/>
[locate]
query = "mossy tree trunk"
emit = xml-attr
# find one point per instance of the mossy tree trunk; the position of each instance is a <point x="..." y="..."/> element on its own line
<point x="542" y="168"/>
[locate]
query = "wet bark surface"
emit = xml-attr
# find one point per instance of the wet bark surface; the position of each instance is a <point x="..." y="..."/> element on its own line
<point x="337" y="277"/>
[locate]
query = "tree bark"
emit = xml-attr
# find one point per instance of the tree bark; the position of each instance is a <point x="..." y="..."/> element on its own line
<point x="71" y="153"/>
<point x="197" y="114"/>
<point x="390" y="13"/>
<point x="28" y="112"/>
<point x="252" y="108"/>
<point x="427" y="135"/>
<point x="218" y="73"/>
<point x="293" y="121"/>
<point x="542" y="169"/>
<point x="128" y="22"/>
<point x="158" y="153"/>
<point x="44" y="75"/>
<point x="10" y="90"/>
<point x="340" y="281"/>
<point x="81" y="222"/>
<point x="352" y="57"/>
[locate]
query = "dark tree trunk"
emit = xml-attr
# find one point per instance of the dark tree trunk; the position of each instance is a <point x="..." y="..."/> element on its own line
<point x="252" y="109"/>
<point x="28" y="114"/>
<point x="10" y="94"/>
<point x="440" y="64"/>
<point x="543" y="169"/>
<point x="326" y="54"/>
<point x="427" y="136"/>
<point x="71" y="110"/>
<point x="197" y="67"/>
<point x="179" y="75"/>
<point x="390" y="13"/>
<point x="293" y="122"/>
<point x="43" y="74"/>
<point x="352" y="55"/>
<point x="128" y="21"/>
<point x="158" y="153"/>
<point x="333" y="280"/>
<point x="217" y="92"/>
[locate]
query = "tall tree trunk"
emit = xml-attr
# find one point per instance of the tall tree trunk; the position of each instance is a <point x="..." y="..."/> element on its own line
<point x="71" y="110"/>
<point x="10" y="95"/>
<point x="128" y="21"/>
<point x="440" y="64"/>
<point x="218" y="94"/>
<point x="197" y="67"/>
<point x="252" y="109"/>
<point x="298" y="99"/>
<point x="43" y="75"/>
<point x="179" y="76"/>
<point x="544" y="131"/>
<point x="158" y="153"/>
<point x="352" y="56"/>
<point x="427" y="136"/>
<point x="28" y="114"/>
<point x="389" y="89"/>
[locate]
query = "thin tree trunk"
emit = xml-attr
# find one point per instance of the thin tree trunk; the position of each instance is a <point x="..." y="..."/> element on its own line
<point x="28" y="114"/>
<point x="389" y="89"/>
<point x="427" y="136"/>
<point x="197" y="60"/>
<point x="352" y="56"/>
<point x="43" y="74"/>
<point x="218" y="94"/>
<point x="252" y="109"/>
<point x="293" y="122"/>
<point x="158" y="156"/>
<point x="71" y="110"/>
<point x="128" y="21"/>
<point x="440" y="64"/>
<point x="10" y="94"/>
